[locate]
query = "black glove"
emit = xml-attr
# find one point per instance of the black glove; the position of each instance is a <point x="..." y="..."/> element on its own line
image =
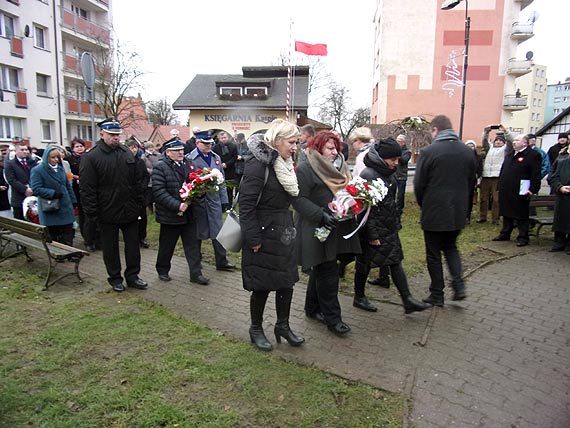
<point x="329" y="221"/>
<point x="57" y="195"/>
<point x="226" y="207"/>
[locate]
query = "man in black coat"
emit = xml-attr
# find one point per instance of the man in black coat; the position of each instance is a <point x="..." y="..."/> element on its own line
<point x="111" y="189"/>
<point x="441" y="185"/>
<point x="17" y="172"/>
<point x="227" y="150"/>
<point x="168" y="176"/>
<point x="518" y="180"/>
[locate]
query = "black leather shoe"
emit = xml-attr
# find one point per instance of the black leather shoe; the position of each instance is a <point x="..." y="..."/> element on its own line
<point x="340" y="328"/>
<point x="381" y="281"/>
<point x="118" y="287"/>
<point x="434" y="301"/>
<point x="164" y="277"/>
<point x="228" y="267"/>
<point x="138" y="283"/>
<point x="317" y="316"/>
<point x="522" y="244"/>
<point x="364" y="304"/>
<point x="481" y="220"/>
<point x="459" y="295"/>
<point x="144" y="243"/>
<point x="412" y="305"/>
<point x="90" y="247"/>
<point x="557" y="248"/>
<point x="500" y="238"/>
<point x="201" y="279"/>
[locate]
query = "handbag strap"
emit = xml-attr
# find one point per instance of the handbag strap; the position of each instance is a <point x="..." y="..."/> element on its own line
<point x="235" y="201"/>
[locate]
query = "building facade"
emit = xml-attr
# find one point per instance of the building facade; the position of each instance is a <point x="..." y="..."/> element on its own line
<point x="44" y="97"/>
<point x="533" y="85"/>
<point x="419" y="56"/>
<point x="557" y="99"/>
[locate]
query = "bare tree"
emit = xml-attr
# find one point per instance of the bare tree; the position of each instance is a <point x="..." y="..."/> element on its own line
<point x="319" y="77"/>
<point x="118" y="74"/>
<point x="160" y="112"/>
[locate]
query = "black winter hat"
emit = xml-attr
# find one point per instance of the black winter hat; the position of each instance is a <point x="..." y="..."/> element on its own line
<point x="388" y="148"/>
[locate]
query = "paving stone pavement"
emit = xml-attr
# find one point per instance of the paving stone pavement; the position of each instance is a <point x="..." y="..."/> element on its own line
<point x="498" y="359"/>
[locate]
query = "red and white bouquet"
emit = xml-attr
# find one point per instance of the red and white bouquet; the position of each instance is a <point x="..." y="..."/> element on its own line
<point x="201" y="182"/>
<point x="358" y="195"/>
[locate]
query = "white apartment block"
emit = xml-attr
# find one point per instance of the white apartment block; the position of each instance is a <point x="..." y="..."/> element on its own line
<point x="533" y="86"/>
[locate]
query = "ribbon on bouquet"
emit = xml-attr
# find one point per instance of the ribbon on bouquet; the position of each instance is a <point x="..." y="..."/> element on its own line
<point x="362" y="223"/>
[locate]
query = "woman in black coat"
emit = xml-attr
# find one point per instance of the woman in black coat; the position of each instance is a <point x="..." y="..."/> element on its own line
<point x="321" y="174"/>
<point x="560" y="182"/>
<point x="269" y="260"/>
<point x="379" y="237"/>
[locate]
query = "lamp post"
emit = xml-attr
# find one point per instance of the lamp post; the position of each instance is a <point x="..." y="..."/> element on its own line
<point x="450" y="4"/>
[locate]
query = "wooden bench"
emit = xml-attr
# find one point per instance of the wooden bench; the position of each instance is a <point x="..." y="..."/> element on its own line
<point x="30" y="235"/>
<point x="542" y="201"/>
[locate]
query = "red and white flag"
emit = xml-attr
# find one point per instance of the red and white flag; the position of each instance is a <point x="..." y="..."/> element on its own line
<point x="309" y="49"/>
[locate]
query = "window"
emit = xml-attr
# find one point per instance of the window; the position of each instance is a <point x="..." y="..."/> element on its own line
<point x="543" y="73"/>
<point x="534" y="102"/>
<point x="557" y="99"/>
<point x="6" y="26"/>
<point x="537" y="116"/>
<point x="256" y="92"/>
<point x="537" y="72"/>
<point x="539" y="102"/>
<point x="83" y="132"/>
<point x="40" y="39"/>
<point x="46" y="130"/>
<point x="565" y="99"/>
<point x="42" y="82"/>
<point x="536" y="87"/>
<point x="10" y="127"/>
<point x="533" y="116"/>
<point x="9" y="78"/>
<point x="79" y="12"/>
<point x="541" y="88"/>
<point x="230" y="91"/>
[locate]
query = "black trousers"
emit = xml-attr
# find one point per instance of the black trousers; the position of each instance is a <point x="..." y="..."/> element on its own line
<point x="111" y="256"/>
<point x="143" y="221"/>
<point x="509" y="224"/>
<point x="18" y="212"/>
<point x="446" y="243"/>
<point x="63" y="234"/>
<point x="220" y="253"/>
<point x="322" y="292"/>
<point x="167" y="240"/>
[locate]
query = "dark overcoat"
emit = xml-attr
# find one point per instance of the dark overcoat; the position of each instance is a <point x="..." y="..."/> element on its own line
<point x="269" y="223"/>
<point x="561" y="177"/>
<point x="442" y="183"/>
<point x="111" y="184"/>
<point x="524" y="165"/>
<point x="384" y="221"/>
<point x="45" y="182"/>
<point x="313" y="200"/>
<point x="18" y="178"/>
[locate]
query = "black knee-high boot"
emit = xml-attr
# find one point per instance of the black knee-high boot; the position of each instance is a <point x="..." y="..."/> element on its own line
<point x="401" y="283"/>
<point x="256" y="307"/>
<point x="283" y="298"/>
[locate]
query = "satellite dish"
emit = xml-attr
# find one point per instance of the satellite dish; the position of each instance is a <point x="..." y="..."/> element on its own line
<point x="533" y="16"/>
<point x="27" y="30"/>
<point x="529" y="55"/>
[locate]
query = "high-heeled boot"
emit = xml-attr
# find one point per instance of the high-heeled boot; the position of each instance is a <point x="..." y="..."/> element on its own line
<point x="282" y="329"/>
<point x="257" y="306"/>
<point x="401" y="283"/>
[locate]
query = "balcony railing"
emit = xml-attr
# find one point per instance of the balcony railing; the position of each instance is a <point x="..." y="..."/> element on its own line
<point x="17" y="47"/>
<point x="522" y="31"/>
<point x="21" y="98"/>
<point x="512" y="102"/>
<point x="524" y="3"/>
<point x="519" y="67"/>
<point x="85" y="27"/>
<point x="80" y="107"/>
<point x="73" y="65"/>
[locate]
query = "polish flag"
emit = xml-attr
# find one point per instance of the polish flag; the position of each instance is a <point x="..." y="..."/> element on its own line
<point x="309" y="49"/>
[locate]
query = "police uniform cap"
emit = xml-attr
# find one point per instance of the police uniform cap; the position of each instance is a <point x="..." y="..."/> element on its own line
<point x="110" y="125"/>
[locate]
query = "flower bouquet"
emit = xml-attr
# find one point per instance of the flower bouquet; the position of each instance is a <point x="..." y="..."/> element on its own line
<point x="357" y="196"/>
<point x="201" y="182"/>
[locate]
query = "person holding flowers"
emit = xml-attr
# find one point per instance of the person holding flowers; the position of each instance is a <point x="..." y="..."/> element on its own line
<point x="320" y="177"/>
<point x="379" y="236"/>
<point x="169" y="175"/>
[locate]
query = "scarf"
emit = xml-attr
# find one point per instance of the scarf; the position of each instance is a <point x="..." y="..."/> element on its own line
<point x="334" y="179"/>
<point x="285" y="172"/>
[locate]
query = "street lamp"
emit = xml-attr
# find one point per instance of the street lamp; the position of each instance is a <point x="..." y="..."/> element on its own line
<point x="450" y="4"/>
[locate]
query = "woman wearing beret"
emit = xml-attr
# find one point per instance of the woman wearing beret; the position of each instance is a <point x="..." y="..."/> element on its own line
<point x="269" y="262"/>
<point x="320" y="177"/>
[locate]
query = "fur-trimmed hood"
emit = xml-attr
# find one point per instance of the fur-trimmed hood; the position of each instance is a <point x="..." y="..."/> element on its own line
<point x="260" y="150"/>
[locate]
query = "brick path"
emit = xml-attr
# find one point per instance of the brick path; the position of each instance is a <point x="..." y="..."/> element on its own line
<point x="498" y="359"/>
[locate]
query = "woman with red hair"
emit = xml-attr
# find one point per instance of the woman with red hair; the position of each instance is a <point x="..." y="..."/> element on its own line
<point x="320" y="176"/>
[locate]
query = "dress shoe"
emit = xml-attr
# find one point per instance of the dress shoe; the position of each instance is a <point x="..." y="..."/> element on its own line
<point x="200" y="279"/>
<point x="144" y="243"/>
<point x="90" y="247"/>
<point x="381" y="281"/>
<point x="138" y="283"/>
<point x="364" y="304"/>
<point x="501" y="238"/>
<point x="317" y="316"/>
<point x="340" y="328"/>
<point x="118" y="287"/>
<point x="482" y="220"/>
<point x="412" y="305"/>
<point x="522" y="244"/>
<point x="164" y="277"/>
<point x="556" y="248"/>
<point x="434" y="301"/>
<point x="459" y="295"/>
<point x="227" y="267"/>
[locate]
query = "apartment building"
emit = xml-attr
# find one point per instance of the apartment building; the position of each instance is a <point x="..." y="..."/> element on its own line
<point x="557" y="99"/>
<point x="533" y="86"/>
<point x="419" y="57"/>
<point x="43" y="96"/>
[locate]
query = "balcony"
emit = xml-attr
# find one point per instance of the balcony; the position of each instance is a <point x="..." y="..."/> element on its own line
<point x="514" y="103"/>
<point x="517" y="67"/>
<point x="524" y="3"/>
<point x="73" y="65"/>
<point x="522" y="31"/>
<point x="80" y="107"/>
<point x="17" y="47"/>
<point x="21" y="98"/>
<point x="85" y="27"/>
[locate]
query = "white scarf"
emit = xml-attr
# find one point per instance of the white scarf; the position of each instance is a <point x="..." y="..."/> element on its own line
<point x="285" y="172"/>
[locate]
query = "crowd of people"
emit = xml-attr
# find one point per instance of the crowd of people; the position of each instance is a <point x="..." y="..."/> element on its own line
<point x="284" y="181"/>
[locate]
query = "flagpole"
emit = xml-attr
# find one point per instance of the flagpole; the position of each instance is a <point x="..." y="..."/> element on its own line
<point x="288" y="99"/>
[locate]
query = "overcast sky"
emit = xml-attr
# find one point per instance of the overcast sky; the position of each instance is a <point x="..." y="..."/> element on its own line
<point x="221" y="36"/>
